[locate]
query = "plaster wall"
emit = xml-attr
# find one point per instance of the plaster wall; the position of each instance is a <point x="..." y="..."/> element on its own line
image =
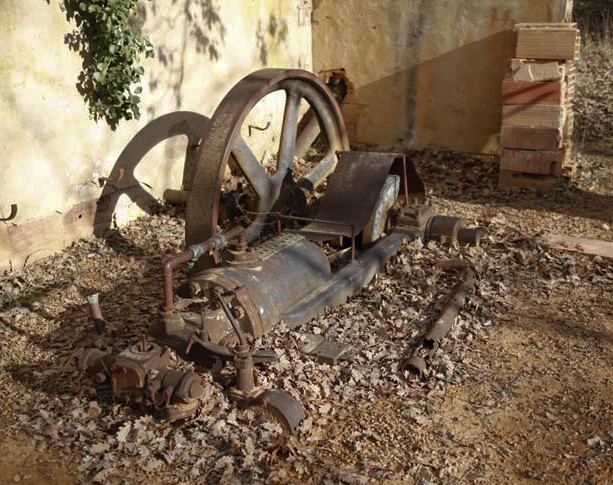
<point x="425" y="73"/>
<point x="53" y="154"/>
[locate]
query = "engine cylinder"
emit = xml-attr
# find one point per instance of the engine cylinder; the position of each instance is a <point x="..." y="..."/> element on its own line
<point x="289" y="267"/>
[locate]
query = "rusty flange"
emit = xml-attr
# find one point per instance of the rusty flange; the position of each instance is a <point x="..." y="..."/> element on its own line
<point x="223" y="139"/>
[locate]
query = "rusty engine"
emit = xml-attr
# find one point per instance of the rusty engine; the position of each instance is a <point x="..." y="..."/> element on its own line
<point x="275" y="247"/>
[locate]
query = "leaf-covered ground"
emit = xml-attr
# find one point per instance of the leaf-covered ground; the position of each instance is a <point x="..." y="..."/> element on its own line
<point x="522" y="390"/>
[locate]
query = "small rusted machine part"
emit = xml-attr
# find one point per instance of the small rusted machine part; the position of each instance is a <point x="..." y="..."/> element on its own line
<point x="423" y="354"/>
<point x="414" y="216"/>
<point x="139" y="374"/>
<point x="97" y="318"/>
<point x="450" y="230"/>
<point x="12" y="215"/>
<point x="296" y="245"/>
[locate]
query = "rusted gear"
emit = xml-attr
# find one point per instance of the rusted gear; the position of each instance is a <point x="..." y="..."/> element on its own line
<point x="223" y="140"/>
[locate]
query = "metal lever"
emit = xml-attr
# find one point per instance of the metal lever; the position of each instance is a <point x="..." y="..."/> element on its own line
<point x="12" y="215"/>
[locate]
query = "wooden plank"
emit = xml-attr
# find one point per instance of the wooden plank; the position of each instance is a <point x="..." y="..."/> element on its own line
<point x="529" y="138"/>
<point x="547" y="43"/>
<point x="544" y="162"/>
<point x="542" y="183"/>
<point x="536" y="116"/>
<point x="547" y="92"/>
<point x="582" y="245"/>
<point x="525" y="70"/>
<point x="545" y="26"/>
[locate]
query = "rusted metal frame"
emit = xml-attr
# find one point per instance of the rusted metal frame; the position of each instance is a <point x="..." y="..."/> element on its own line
<point x="194" y="252"/>
<point x="12" y="215"/>
<point x="349" y="280"/>
<point x="279" y="217"/>
<point x="418" y="361"/>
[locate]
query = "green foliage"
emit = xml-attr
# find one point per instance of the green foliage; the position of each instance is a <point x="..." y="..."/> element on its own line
<point x="110" y="43"/>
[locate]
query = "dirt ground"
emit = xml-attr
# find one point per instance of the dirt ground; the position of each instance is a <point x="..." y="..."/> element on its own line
<point x="522" y="391"/>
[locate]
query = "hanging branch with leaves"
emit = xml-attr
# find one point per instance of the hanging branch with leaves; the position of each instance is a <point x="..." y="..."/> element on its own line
<point x="108" y="38"/>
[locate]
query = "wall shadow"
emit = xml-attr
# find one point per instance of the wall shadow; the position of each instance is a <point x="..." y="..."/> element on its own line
<point x="194" y="24"/>
<point x="270" y="34"/>
<point x="452" y="101"/>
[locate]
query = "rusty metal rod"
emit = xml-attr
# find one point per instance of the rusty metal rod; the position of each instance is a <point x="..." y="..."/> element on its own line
<point x="235" y="325"/>
<point x="423" y="354"/>
<point x="94" y="306"/>
<point x="194" y="252"/>
<point x="311" y="219"/>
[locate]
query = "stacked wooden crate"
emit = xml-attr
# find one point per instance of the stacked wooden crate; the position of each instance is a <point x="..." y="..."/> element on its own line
<point x="537" y="115"/>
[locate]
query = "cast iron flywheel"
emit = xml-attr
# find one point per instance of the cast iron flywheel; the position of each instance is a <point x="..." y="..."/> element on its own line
<point x="223" y="140"/>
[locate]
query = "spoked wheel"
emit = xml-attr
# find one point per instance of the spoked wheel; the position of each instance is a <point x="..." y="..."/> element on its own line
<point x="223" y="140"/>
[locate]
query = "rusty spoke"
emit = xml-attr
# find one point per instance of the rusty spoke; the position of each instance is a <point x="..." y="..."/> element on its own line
<point x="319" y="173"/>
<point x="252" y="168"/>
<point x="287" y="145"/>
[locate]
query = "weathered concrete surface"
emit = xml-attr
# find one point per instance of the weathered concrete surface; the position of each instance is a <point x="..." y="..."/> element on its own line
<point x="426" y="73"/>
<point x="52" y="154"/>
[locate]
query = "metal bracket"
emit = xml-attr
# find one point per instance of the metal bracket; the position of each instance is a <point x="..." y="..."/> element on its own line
<point x="12" y="215"/>
<point x="117" y="178"/>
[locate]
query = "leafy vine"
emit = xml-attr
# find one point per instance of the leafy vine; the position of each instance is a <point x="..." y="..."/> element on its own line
<point x="108" y="38"/>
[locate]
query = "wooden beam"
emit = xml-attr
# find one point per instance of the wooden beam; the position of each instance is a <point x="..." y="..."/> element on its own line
<point x="509" y="179"/>
<point x="547" y="41"/>
<point x="528" y="138"/>
<point x="536" y="116"/>
<point x="543" y="162"/>
<point x="593" y="247"/>
<point x="546" y="93"/>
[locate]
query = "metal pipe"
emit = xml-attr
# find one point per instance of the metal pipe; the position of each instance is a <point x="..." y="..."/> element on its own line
<point x="193" y="253"/>
<point x="423" y="354"/>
